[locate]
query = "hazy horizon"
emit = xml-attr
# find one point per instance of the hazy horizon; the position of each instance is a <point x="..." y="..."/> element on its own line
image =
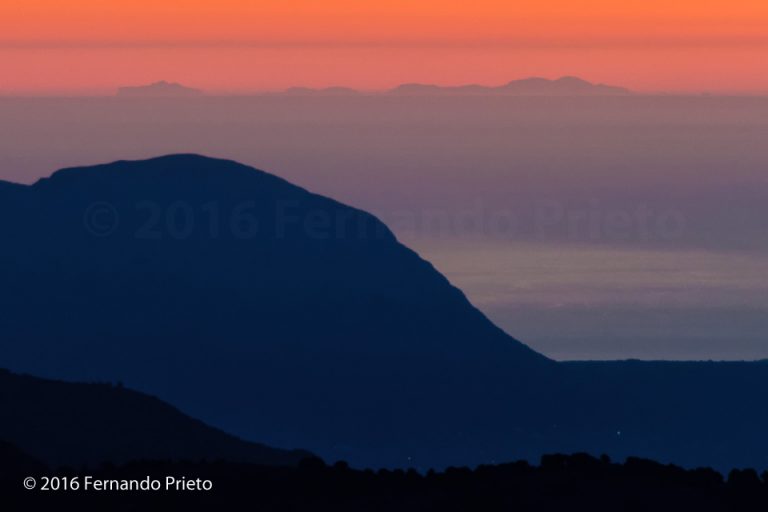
<point x="111" y="90"/>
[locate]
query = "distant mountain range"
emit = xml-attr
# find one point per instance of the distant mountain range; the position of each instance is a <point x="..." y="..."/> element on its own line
<point x="286" y="317"/>
<point x="62" y="423"/>
<point x="565" y="86"/>
<point x="159" y="89"/>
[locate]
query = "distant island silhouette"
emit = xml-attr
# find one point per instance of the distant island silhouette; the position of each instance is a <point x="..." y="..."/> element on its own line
<point x="161" y="89"/>
<point x="288" y="318"/>
<point x="534" y="86"/>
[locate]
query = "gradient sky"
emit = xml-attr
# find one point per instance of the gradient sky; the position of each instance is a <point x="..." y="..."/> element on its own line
<point x="237" y="45"/>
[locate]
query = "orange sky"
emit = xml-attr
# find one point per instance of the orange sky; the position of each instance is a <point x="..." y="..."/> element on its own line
<point x="238" y="45"/>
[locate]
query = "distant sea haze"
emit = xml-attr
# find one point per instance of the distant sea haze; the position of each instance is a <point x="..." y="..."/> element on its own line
<point x="591" y="227"/>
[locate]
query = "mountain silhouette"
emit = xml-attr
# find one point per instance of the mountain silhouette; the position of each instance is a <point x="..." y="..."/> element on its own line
<point x="534" y="86"/>
<point x="283" y="316"/>
<point x="158" y="89"/>
<point x="73" y="424"/>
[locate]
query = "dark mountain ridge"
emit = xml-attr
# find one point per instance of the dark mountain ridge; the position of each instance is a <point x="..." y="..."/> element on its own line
<point x="283" y="316"/>
<point x="288" y="318"/>
<point x="77" y="424"/>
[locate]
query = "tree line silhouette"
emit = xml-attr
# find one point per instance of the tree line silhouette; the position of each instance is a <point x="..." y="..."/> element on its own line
<point x="559" y="482"/>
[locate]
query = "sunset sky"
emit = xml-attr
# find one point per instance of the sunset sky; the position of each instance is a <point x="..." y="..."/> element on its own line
<point x="82" y="46"/>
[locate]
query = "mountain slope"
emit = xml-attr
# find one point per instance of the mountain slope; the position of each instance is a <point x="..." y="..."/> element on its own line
<point x="73" y="424"/>
<point x="250" y="303"/>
